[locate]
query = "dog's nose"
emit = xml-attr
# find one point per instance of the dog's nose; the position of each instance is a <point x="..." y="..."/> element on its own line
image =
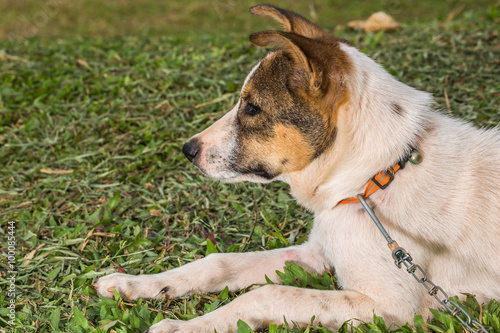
<point x="191" y="149"/>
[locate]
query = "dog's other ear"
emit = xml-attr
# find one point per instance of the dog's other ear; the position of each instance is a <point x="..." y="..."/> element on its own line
<point x="291" y="21"/>
<point x="297" y="47"/>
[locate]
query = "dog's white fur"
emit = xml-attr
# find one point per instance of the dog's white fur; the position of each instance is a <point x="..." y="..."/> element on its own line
<point x="445" y="212"/>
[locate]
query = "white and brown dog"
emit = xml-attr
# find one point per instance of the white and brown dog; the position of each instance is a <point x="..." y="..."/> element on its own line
<point x="321" y="116"/>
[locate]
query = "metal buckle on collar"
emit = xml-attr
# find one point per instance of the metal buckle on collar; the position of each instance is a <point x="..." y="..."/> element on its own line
<point x="402" y="163"/>
<point x="389" y="173"/>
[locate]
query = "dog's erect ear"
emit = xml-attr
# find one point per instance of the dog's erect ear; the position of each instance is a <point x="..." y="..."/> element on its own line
<point x="296" y="46"/>
<point x="291" y="21"/>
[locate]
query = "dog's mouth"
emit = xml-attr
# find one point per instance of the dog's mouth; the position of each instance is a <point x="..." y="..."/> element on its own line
<point x="259" y="170"/>
<point x="233" y="174"/>
<point x="215" y="165"/>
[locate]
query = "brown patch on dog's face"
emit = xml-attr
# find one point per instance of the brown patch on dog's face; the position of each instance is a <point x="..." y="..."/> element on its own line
<point x="280" y="127"/>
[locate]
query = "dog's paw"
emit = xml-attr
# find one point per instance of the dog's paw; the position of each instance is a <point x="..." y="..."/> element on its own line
<point x="166" y="325"/>
<point x="130" y="287"/>
<point x="177" y="326"/>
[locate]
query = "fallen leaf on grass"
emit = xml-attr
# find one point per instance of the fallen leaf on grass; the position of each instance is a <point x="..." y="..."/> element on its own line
<point x="376" y="22"/>
<point x="31" y="255"/>
<point x="155" y="212"/>
<point x="56" y="172"/>
<point x="159" y="105"/>
<point x="8" y="57"/>
<point x="82" y="63"/>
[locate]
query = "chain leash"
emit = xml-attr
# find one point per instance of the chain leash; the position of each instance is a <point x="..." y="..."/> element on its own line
<point x="402" y="257"/>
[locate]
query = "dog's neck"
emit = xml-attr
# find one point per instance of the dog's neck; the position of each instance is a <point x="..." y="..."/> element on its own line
<point x="375" y="130"/>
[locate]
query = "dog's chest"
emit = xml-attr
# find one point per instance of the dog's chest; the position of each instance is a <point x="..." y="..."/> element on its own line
<point x="353" y="246"/>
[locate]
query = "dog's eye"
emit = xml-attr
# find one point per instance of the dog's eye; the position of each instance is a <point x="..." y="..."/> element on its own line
<point x="252" y="110"/>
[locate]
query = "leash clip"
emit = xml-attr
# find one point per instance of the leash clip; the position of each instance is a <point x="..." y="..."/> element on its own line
<point x="388" y="173"/>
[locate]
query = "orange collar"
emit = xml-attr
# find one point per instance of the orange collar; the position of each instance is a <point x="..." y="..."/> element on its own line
<point x="384" y="178"/>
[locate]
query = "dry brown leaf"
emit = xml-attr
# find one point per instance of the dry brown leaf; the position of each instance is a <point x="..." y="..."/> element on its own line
<point x="82" y="63"/>
<point x="381" y="21"/>
<point x="155" y="212"/>
<point x="56" y="172"/>
<point x="85" y="241"/>
<point x="376" y="22"/>
<point x="24" y="204"/>
<point x="103" y="234"/>
<point x="159" y="105"/>
<point x="7" y="57"/>
<point x="31" y="255"/>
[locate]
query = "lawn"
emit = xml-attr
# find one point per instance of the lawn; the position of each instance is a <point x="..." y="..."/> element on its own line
<point x="67" y="19"/>
<point x="94" y="181"/>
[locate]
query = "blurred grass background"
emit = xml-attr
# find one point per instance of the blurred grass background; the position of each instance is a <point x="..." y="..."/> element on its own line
<point x="95" y="18"/>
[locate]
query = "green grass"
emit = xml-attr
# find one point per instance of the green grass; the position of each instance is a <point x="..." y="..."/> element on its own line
<point x="115" y="112"/>
<point x="66" y="18"/>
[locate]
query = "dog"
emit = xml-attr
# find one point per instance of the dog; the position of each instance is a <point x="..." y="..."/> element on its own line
<point x="323" y="117"/>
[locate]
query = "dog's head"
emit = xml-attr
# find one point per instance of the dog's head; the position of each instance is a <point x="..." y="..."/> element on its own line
<point x="287" y="112"/>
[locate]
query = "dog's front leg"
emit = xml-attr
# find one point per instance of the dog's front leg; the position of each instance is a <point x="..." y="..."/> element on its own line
<point x="213" y="273"/>
<point x="274" y="303"/>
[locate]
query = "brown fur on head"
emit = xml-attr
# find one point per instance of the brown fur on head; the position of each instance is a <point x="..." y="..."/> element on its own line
<point x="286" y="116"/>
